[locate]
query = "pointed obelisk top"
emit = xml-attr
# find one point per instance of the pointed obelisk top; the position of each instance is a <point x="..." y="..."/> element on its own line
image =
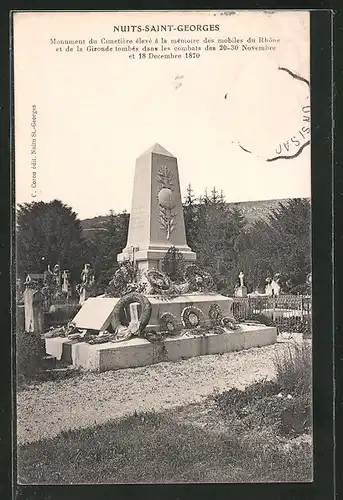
<point x="157" y="149"/>
<point x="156" y="218"/>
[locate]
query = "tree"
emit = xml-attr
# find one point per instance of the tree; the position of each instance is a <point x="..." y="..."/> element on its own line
<point x="213" y="232"/>
<point x="190" y="216"/>
<point x="280" y="244"/>
<point x="106" y="248"/>
<point x="48" y="233"/>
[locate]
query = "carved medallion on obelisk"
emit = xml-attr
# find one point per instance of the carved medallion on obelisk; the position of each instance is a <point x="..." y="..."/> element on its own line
<point x="166" y="200"/>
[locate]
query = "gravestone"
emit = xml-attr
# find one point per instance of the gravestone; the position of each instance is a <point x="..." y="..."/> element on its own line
<point x="34" y="313"/>
<point x="276" y="288"/>
<point x="156" y="219"/>
<point x="268" y="290"/>
<point x="242" y="289"/>
<point x="65" y="282"/>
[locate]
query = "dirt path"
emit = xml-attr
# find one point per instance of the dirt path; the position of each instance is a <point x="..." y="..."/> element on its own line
<point x="45" y="409"/>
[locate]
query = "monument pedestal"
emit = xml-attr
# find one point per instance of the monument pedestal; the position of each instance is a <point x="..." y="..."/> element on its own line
<point x="242" y="291"/>
<point x="140" y="352"/>
<point x="97" y="312"/>
<point x="151" y="258"/>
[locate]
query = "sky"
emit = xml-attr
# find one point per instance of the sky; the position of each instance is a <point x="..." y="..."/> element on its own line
<point x="97" y="112"/>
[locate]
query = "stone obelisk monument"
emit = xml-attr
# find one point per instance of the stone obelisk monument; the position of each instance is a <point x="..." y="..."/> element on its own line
<point x="156" y="220"/>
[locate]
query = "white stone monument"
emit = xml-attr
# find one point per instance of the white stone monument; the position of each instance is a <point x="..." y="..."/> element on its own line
<point x="156" y="219"/>
<point x="156" y="225"/>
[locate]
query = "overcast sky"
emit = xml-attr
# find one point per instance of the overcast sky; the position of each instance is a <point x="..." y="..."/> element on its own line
<point x="98" y="111"/>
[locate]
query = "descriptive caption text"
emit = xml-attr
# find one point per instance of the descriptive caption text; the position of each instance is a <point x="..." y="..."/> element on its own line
<point x="190" y="46"/>
<point x="33" y="151"/>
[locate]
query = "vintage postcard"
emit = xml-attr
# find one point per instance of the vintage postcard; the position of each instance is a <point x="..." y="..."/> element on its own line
<point x="163" y="246"/>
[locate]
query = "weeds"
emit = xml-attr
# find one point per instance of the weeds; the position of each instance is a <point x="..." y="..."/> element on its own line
<point x="283" y="405"/>
<point x="294" y="369"/>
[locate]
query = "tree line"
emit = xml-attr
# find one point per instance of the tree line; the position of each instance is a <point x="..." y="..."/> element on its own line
<point x="225" y="244"/>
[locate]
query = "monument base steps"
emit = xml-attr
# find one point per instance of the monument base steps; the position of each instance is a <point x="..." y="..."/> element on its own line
<point x="140" y="352"/>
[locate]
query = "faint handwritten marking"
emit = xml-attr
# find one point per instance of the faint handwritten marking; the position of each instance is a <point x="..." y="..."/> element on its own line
<point x="177" y="82"/>
<point x="295" y="75"/>
<point x="292" y="156"/>
<point x="286" y="157"/>
<point x="247" y="150"/>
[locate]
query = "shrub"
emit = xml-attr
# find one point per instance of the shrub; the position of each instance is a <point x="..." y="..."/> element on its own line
<point x="261" y="318"/>
<point x="29" y="352"/>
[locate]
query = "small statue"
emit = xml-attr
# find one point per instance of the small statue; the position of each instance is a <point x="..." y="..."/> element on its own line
<point x="57" y="275"/>
<point x="87" y="282"/>
<point x="276" y="284"/>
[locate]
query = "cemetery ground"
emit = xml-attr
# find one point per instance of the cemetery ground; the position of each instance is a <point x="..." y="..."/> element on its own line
<point x="237" y="417"/>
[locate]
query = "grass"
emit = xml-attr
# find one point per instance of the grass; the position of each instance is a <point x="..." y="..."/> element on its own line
<point x="252" y="436"/>
<point x="155" y="448"/>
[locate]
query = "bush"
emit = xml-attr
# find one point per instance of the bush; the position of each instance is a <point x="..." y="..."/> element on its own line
<point x="261" y="318"/>
<point x="29" y="352"/>
<point x="294" y="324"/>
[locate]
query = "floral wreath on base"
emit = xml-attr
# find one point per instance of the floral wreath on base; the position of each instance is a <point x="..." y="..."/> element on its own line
<point x="123" y="332"/>
<point x="199" y="279"/>
<point x="169" y="324"/>
<point x="192" y="317"/>
<point x="215" y="314"/>
<point x="230" y="323"/>
<point x="158" y="280"/>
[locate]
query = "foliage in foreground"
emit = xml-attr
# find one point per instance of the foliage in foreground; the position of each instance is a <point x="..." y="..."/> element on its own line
<point x="155" y="448"/>
<point x="283" y="404"/>
<point x="259" y="439"/>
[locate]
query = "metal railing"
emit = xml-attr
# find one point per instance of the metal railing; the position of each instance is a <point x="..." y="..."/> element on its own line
<point x="291" y="313"/>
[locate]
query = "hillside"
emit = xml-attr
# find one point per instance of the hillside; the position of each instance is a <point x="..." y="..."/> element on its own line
<point x="251" y="210"/>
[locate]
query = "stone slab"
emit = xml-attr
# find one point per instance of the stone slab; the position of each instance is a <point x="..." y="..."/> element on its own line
<point x="95" y="313"/>
<point x="140" y="352"/>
